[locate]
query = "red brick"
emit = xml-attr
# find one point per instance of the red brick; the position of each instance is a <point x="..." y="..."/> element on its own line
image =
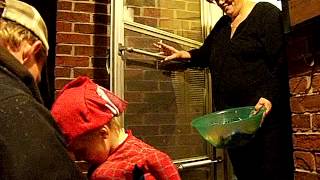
<point x="316" y="122"/>
<point x="160" y="140"/>
<point x="72" y="61"/>
<point x="144" y="130"/>
<point x="64" y="49"/>
<point x="133" y="118"/>
<point x="62" y="72"/>
<point x="299" y="85"/>
<point x="64" y="26"/>
<point x="137" y="108"/>
<point x="301" y="122"/>
<point x="304" y="160"/>
<point x="140" y="42"/>
<point x="141" y="85"/>
<point x="179" y="151"/>
<point x="133" y="74"/>
<point x="317" y="156"/>
<point x="151" y="12"/>
<point x="298" y="11"/>
<point x="130" y="33"/>
<point x="134" y="96"/>
<point x="306" y="176"/>
<point x="175" y="129"/>
<point x="141" y="3"/>
<point x="91" y="8"/>
<point x="307" y="103"/>
<point x="60" y="82"/>
<point x="73" y="38"/>
<point x="91" y="51"/>
<point x="195" y="35"/>
<point x="93" y="73"/>
<point x="159" y="97"/>
<point x="88" y="7"/>
<point x="64" y="5"/>
<point x="316" y="82"/>
<point x="160" y="118"/>
<point x="311" y="103"/>
<point x="157" y="75"/>
<point x="189" y="140"/>
<point x="136" y="10"/>
<point x="194" y="6"/>
<point x="307" y="142"/>
<point x="147" y="21"/>
<point x="73" y="17"/>
<point x="91" y="28"/>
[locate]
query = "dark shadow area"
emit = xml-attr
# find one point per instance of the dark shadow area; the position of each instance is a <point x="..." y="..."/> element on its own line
<point x="304" y="47"/>
<point x="48" y="11"/>
<point x="101" y="43"/>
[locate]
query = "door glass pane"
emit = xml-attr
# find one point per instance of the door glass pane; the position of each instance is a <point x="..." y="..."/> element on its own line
<point x="162" y="102"/>
<point x="181" y="17"/>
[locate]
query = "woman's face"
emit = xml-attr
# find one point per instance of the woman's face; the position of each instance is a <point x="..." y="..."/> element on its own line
<point x="230" y="7"/>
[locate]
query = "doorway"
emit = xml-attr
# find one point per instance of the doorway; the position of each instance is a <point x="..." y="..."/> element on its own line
<point x="163" y="100"/>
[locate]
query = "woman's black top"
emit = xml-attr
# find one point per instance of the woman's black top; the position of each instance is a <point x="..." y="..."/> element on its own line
<point x="249" y="65"/>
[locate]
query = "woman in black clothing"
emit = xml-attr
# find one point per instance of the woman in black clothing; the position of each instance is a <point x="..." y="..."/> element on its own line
<point x="245" y="54"/>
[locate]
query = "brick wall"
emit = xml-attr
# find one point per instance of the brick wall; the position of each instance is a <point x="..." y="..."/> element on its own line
<point x="304" y="69"/>
<point x="181" y="17"/>
<point x="82" y="40"/>
<point x="301" y="11"/>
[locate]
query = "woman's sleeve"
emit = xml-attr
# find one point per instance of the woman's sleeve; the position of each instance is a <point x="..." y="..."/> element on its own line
<point x="200" y="56"/>
<point x="272" y="38"/>
<point x="272" y="35"/>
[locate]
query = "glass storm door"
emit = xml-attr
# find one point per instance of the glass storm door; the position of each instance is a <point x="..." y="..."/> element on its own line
<point x="163" y="100"/>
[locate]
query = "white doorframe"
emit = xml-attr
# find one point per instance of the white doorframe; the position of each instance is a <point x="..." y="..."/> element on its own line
<point x="116" y="38"/>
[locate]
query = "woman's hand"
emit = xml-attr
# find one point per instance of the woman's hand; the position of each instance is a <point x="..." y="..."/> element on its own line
<point x="263" y="102"/>
<point x="171" y="52"/>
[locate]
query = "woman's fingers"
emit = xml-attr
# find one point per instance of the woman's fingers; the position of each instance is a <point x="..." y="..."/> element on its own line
<point x="263" y="102"/>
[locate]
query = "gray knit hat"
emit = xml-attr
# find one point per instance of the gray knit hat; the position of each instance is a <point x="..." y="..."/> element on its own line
<point x="27" y="16"/>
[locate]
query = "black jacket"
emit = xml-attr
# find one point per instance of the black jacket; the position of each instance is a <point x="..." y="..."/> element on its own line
<point x="31" y="145"/>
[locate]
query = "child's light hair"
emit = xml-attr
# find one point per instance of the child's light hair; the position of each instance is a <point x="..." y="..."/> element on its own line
<point x="114" y="125"/>
<point x="13" y="34"/>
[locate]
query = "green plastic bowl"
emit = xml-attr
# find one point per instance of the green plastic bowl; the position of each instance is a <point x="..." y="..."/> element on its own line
<point x="229" y="128"/>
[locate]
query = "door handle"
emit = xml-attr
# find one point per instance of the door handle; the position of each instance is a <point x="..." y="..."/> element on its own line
<point x="199" y="163"/>
<point x="140" y="51"/>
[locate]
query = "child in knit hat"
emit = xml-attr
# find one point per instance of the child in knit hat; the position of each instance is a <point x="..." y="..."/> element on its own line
<point x="87" y="116"/>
